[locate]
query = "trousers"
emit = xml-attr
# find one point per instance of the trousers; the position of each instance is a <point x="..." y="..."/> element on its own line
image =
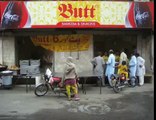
<point x="73" y="88"/>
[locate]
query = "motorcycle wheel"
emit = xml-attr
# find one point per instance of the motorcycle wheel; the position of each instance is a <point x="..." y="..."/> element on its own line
<point x="41" y="90"/>
<point x="132" y="81"/>
<point x="116" y="87"/>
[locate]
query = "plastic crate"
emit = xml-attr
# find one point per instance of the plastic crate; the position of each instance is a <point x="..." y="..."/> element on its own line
<point x="34" y="69"/>
<point x="24" y="62"/>
<point x="35" y="62"/>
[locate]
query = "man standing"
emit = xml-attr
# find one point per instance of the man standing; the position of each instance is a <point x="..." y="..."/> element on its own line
<point x="140" y="72"/>
<point x="110" y="66"/>
<point x="99" y="63"/>
<point x="133" y="65"/>
<point x="132" y="68"/>
<point x="123" y="56"/>
<point x="105" y="58"/>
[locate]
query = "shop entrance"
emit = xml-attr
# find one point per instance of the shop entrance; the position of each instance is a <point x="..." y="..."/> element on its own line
<point x="104" y="43"/>
<point x="101" y="42"/>
<point x="26" y="50"/>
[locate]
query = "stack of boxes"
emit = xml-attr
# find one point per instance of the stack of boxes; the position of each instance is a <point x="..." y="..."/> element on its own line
<point x="30" y="67"/>
<point x="34" y="67"/>
<point x="24" y="66"/>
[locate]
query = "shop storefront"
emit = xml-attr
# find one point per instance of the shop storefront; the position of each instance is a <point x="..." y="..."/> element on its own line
<point x="51" y="34"/>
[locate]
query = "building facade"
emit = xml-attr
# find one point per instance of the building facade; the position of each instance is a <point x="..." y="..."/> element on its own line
<point x="16" y="43"/>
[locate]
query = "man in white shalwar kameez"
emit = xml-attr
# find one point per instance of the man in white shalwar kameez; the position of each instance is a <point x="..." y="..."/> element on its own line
<point x="140" y="72"/>
<point x="132" y="67"/>
<point x="110" y="66"/>
<point x="123" y="56"/>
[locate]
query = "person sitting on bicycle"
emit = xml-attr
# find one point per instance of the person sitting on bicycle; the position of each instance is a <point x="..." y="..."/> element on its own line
<point x="123" y="69"/>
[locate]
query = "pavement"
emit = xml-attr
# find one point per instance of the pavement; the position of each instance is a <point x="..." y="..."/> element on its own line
<point x="130" y="104"/>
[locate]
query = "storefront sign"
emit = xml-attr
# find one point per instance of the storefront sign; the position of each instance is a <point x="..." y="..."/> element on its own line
<point x="63" y="43"/>
<point x="76" y="14"/>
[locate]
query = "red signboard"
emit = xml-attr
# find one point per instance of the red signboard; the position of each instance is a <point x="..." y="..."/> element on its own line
<point x="76" y="14"/>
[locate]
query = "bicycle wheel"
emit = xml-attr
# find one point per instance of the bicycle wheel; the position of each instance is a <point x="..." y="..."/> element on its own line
<point x="41" y="90"/>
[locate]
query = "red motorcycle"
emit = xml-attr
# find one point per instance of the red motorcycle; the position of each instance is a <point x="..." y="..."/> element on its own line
<point x="53" y="83"/>
<point x="120" y="81"/>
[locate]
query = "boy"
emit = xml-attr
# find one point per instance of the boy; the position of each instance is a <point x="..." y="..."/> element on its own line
<point x="123" y="69"/>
